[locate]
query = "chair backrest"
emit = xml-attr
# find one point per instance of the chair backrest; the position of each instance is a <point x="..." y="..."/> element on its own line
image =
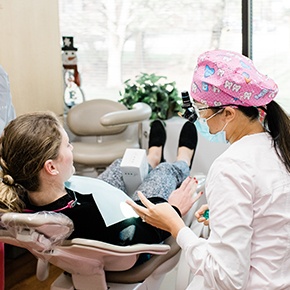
<point x="101" y="130"/>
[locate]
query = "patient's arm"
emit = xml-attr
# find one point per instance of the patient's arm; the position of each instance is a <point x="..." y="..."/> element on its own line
<point x="184" y="196"/>
<point x="163" y="215"/>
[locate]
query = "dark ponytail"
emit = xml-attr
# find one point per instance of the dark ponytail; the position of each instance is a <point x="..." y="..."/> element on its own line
<point x="277" y="123"/>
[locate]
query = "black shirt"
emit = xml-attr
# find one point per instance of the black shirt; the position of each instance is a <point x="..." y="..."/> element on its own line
<point x="89" y="224"/>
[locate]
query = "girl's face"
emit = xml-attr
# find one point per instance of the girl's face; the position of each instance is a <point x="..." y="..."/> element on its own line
<point x="64" y="161"/>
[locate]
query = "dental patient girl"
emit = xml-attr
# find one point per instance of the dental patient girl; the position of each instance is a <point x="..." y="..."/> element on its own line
<point x="36" y="161"/>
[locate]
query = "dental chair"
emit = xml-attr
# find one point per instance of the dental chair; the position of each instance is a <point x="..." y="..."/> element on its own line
<point x="84" y="261"/>
<point x="88" y="264"/>
<point x="101" y="130"/>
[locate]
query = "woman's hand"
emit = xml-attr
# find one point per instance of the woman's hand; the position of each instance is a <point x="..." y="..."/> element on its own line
<point x="183" y="197"/>
<point x="199" y="215"/>
<point x="163" y="215"/>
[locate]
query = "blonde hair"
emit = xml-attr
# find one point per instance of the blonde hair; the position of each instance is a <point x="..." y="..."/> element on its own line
<point x="27" y="142"/>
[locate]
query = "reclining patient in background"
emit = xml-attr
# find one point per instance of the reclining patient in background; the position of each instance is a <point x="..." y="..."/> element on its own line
<point x="36" y="160"/>
<point x="7" y="112"/>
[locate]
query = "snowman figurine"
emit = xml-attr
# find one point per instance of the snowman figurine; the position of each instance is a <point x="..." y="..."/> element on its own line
<point x="73" y="93"/>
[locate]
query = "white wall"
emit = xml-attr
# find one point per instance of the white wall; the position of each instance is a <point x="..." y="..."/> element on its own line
<point x="30" y="52"/>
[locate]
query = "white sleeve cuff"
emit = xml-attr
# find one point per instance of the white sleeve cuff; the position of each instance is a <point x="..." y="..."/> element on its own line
<point x="186" y="237"/>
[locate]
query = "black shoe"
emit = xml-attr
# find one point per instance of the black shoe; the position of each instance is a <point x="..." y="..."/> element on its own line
<point x="157" y="136"/>
<point x="188" y="138"/>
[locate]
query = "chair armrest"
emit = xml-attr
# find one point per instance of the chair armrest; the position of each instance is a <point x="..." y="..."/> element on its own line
<point x="155" y="249"/>
<point x="90" y="257"/>
<point x="140" y="112"/>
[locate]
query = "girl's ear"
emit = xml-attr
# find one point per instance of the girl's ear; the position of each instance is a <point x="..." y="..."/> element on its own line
<point x="50" y="168"/>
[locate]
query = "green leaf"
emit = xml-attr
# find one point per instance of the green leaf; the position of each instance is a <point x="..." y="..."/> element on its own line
<point x="161" y="95"/>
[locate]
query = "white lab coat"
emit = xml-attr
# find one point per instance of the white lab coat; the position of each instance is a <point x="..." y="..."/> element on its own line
<point x="248" y="192"/>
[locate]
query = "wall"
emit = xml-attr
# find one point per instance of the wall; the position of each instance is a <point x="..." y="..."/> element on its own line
<point x="30" y="52"/>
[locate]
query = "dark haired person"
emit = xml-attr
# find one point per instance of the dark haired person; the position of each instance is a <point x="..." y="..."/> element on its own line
<point x="247" y="187"/>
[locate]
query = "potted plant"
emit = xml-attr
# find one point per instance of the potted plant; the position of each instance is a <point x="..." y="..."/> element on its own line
<point x="161" y="95"/>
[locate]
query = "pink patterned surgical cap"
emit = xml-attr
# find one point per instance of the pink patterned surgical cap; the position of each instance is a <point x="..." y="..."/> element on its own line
<point x="228" y="78"/>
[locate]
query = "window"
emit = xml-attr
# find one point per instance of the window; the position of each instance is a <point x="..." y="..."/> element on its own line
<point x="271" y="44"/>
<point x="117" y="39"/>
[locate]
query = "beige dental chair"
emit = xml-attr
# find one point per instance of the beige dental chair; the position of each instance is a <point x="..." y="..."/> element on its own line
<point x="43" y="234"/>
<point x="103" y="129"/>
<point x="88" y="264"/>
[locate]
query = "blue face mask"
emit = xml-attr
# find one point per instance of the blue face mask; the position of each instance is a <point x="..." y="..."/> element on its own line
<point x="202" y="127"/>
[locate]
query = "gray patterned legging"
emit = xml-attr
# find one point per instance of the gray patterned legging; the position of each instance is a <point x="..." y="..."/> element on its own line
<point x="159" y="182"/>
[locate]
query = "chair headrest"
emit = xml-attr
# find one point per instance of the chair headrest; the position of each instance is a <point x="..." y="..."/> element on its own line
<point x="41" y="230"/>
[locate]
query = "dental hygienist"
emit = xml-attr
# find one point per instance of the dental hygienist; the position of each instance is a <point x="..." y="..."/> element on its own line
<point x="248" y="186"/>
